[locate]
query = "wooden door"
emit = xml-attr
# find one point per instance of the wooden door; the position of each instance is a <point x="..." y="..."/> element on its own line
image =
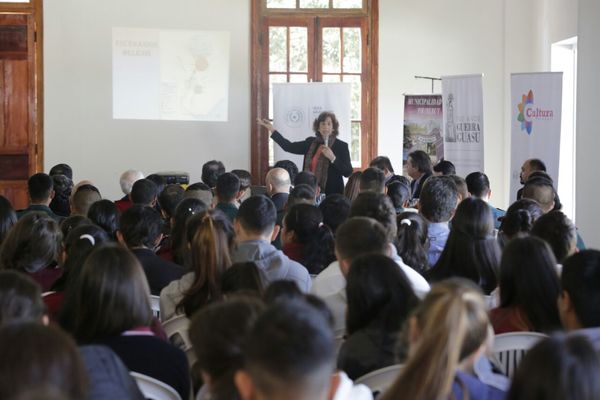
<point x="20" y="100"/>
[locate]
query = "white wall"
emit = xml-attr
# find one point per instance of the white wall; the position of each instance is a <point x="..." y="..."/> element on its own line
<point x="79" y="128"/>
<point x="588" y="122"/>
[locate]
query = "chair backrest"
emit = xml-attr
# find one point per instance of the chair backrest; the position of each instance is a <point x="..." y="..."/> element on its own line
<point x="177" y="331"/>
<point x="154" y="389"/>
<point x="155" y="305"/>
<point x="509" y="349"/>
<point x="380" y="380"/>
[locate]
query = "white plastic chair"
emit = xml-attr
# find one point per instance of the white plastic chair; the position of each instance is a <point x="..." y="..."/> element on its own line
<point x="380" y="380"/>
<point x="155" y="305"/>
<point x="176" y="329"/>
<point x="509" y="349"/>
<point x="154" y="389"/>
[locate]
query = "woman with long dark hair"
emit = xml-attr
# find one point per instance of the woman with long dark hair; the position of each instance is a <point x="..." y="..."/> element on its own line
<point x="412" y="241"/>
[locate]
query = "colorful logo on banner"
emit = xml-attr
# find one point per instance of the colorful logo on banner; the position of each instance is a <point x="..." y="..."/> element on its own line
<point x="527" y="113"/>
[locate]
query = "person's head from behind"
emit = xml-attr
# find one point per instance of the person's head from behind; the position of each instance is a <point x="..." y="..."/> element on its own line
<point x="412" y="240"/>
<point x="186" y="209"/>
<point x="245" y="183"/>
<point x="105" y="214"/>
<point x="580" y="297"/>
<point x="62" y="194"/>
<point x="448" y="330"/>
<point x="289" y="354"/>
<point x="444" y="167"/>
<point x="358" y="236"/>
<point x="83" y="198"/>
<point x="40" y="188"/>
<point x="144" y="192"/>
<point x="140" y="226"/>
<point x="160" y="182"/>
<point x="169" y="198"/>
<point x="242" y="277"/>
<point x="399" y="193"/>
<point x="352" y="187"/>
<point x="461" y="187"/>
<point x="301" y="194"/>
<point x="438" y="199"/>
<point x="200" y="191"/>
<point x="217" y="333"/>
<point x="128" y="178"/>
<point x="38" y="356"/>
<point x="111" y="296"/>
<point x="560" y="367"/>
<point x="542" y="191"/>
<point x="478" y="185"/>
<point x="335" y="209"/>
<point x="519" y="218"/>
<point x="530" y="166"/>
<point x="8" y="217"/>
<point x="372" y="180"/>
<point x="72" y="222"/>
<point x="379" y="207"/>
<point x="61" y="169"/>
<point x="418" y="164"/>
<point x="20" y="299"/>
<point x="377" y="289"/>
<point x="528" y="280"/>
<point x="256" y="219"/>
<point x="289" y="166"/>
<point x="211" y="171"/>
<point x="278" y="181"/>
<point x="326" y="124"/>
<point x="558" y="231"/>
<point x="32" y="244"/>
<point x="384" y="164"/>
<point x="227" y="189"/>
<point x="307" y="178"/>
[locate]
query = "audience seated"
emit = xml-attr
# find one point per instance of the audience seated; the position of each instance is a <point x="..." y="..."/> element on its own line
<point x="384" y="164"/>
<point x="471" y="252"/>
<point x="289" y="354"/>
<point x="217" y="333"/>
<point x="62" y="169"/>
<point x="83" y="198"/>
<point x="144" y="192"/>
<point x="227" y="194"/>
<point x="335" y="209"/>
<point x="447" y="334"/>
<point x="529" y="166"/>
<point x="379" y="299"/>
<point x="418" y="167"/>
<point x="278" y="187"/>
<point x="461" y="187"/>
<point x="529" y="288"/>
<point x="179" y="244"/>
<point x="211" y="171"/>
<point x="559" y="232"/>
<point x="444" y="167"/>
<point x="306" y="239"/>
<point x="72" y="222"/>
<point x="20" y="300"/>
<point x="40" y="189"/>
<point x="62" y="193"/>
<point x="105" y="214"/>
<point x="245" y="184"/>
<point x="242" y="278"/>
<point x="141" y="231"/>
<point x="210" y="238"/>
<point x="126" y="181"/>
<point x="255" y="229"/>
<point x="308" y="178"/>
<point x="160" y="182"/>
<point x="560" y="367"/>
<point x="353" y="186"/>
<point x="32" y="247"/>
<point x="112" y="308"/>
<point x="478" y="185"/>
<point x="8" y="217"/>
<point x="168" y="199"/>
<point x="199" y="191"/>
<point x="518" y="220"/>
<point x="437" y="203"/>
<point x="412" y="241"/>
<point x="301" y="194"/>
<point x="399" y="193"/>
<point x="289" y="166"/>
<point x="372" y="180"/>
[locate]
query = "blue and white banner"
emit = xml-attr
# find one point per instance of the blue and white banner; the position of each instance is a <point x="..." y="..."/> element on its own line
<point x="297" y="105"/>
<point x="536" y="105"/>
<point x="463" y="122"/>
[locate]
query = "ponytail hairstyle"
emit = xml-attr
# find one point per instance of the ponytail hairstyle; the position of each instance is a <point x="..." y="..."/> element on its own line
<point x="519" y="219"/>
<point x="412" y="241"/>
<point x="210" y="237"/>
<point x="306" y="222"/>
<point x="179" y="245"/>
<point x="452" y="324"/>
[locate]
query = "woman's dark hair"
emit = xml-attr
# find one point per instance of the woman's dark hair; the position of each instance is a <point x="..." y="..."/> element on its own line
<point x="306" y="223"/>
<point x="111" y="296"/>
<point x="186" y="208"/>
<point x="377" y="290"/>
<point x="38" y="356"/>
<point x="210" y="237"/>
<point x="528" y="280"/>
<point x="470" y="251"/>
<point x="69" y="223"/>
<point x="32" y="244"/>
<point x="558" y="231"/>
<point x="217" y="333"/>
<point x="63" y="186"/>
<point x="8" y="217"/>
<point x="20" y="299"/>
<point x="335" y="209"/>
<point x="519" y="218"/>
<point x="78" y="245"/>
<point x="242" y="277"/>
<point x="558" y="368"/>
<point x="105" y="214"/>
<point x="412" y="241"/>
<point x="321" y="118"/>
<point x="282" y="290"/>
<point x="352" y="187"/>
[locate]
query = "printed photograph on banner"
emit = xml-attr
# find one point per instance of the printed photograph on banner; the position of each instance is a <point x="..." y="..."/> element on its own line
<point x="423" y="126"/>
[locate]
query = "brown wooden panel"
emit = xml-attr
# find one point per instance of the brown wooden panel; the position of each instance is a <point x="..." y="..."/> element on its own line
<point x="14" y="167"/>
<point x="13" y="39"/>
<point x="16" y="98"/>
<point x="3" y="138"/>
<point x="16" y="193"/>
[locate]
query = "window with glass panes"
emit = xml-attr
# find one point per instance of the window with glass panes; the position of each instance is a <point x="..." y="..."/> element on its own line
<point x="315" y="41"/>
